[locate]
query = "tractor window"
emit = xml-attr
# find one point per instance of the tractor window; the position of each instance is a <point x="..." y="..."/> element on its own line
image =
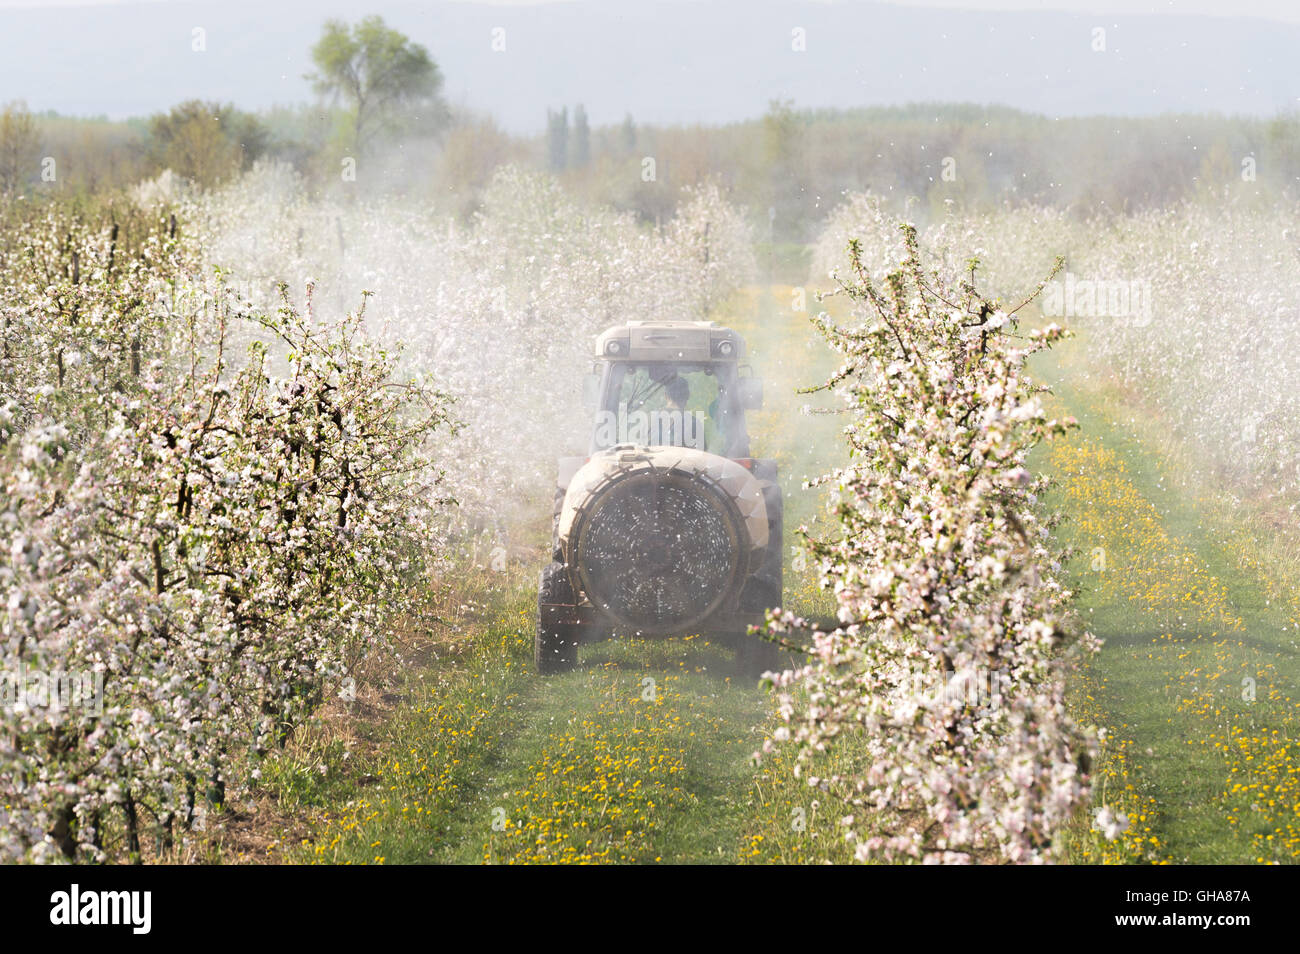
<point x="669" y="404"/>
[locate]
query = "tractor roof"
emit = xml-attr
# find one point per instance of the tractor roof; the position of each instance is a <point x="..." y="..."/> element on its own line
<point x="692" y="341"/>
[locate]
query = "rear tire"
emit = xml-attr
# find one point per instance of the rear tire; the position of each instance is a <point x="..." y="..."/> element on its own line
<point x="555" y="647"/>
<point x="764" y="589"/>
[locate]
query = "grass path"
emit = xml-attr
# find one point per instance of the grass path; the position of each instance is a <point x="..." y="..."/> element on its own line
<point x="1197" y="680"/>
<point x="642" y="755"/>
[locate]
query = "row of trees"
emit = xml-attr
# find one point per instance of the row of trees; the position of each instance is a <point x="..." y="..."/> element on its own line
<point x="1189" y="307"/>
<point x="208" y="512"/>
<point x="565" y="149"/>
<point x="934" y="715"/>
<point x="213" y="491"/>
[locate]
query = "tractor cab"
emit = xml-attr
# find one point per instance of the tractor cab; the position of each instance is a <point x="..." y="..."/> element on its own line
<point x="671" y="383"/>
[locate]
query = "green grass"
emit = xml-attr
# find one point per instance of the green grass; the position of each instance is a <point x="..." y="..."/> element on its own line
<point x="398" y="794"/>
<point x="643" y="754"/>
<point x="1187" y="611"/>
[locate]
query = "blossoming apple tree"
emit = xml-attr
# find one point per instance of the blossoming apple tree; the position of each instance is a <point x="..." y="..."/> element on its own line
<point x="934" y="711"/>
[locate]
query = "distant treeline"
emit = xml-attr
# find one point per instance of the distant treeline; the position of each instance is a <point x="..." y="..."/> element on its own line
<point x="792" y="166"/>
<point x="789" y="167"/>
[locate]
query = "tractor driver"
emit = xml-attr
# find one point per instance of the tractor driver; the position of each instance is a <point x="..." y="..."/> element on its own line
<point x="677" y="429"/>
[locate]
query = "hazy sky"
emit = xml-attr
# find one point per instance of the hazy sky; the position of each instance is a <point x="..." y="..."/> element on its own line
<point x="1288" y="10"/>
<point x="675" y="61"/>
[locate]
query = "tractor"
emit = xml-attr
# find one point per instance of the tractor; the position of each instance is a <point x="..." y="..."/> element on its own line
<point x="668" y="526"/>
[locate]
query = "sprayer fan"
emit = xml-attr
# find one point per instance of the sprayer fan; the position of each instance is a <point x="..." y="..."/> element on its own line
<point x="658" y="550"/>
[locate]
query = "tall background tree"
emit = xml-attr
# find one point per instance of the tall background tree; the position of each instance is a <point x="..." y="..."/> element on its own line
<point x="581" y="137"/>
<point x="557" y="139"/>
<point x="19" y="145"/>
<point x="386" y="81"/>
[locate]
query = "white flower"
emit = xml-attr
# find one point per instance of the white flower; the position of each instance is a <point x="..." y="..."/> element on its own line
<point x="1111" y="824"/>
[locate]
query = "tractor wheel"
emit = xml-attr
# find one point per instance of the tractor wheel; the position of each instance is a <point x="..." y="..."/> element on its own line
<point x="555" y="648"/>
<point x="764" y="589"/>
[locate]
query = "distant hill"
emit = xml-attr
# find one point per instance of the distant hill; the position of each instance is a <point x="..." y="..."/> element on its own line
<point x="664" y="61"/>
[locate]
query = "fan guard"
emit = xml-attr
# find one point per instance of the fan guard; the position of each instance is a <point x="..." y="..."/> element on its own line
<point x="659" y="550"/>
